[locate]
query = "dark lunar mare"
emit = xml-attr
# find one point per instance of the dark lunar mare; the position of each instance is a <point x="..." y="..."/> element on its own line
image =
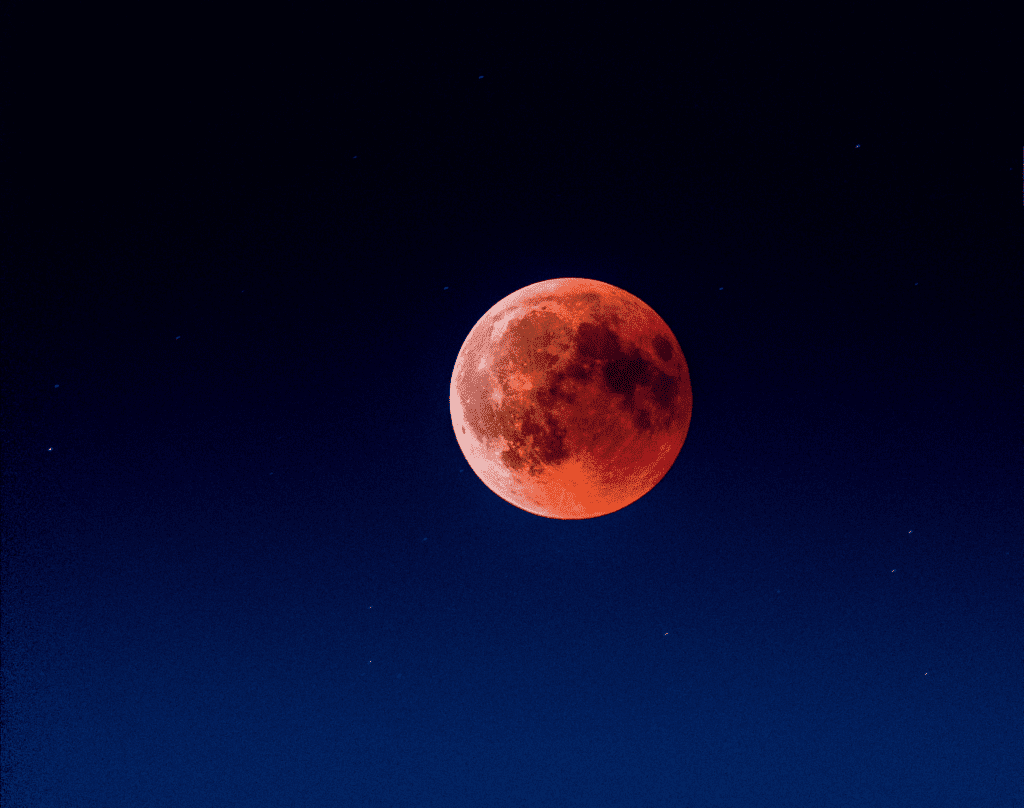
<point x="596" y="348"/>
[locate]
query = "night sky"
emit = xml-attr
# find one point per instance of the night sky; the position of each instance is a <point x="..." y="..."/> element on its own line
<point x="245" y="562"/>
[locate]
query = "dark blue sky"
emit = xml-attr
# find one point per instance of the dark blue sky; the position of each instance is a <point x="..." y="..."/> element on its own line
<point x="244" y="560"/>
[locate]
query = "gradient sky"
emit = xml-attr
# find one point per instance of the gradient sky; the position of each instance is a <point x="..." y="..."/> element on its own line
<point x="244" y="560"/>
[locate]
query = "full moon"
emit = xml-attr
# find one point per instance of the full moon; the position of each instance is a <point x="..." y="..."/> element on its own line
<point x="570" y="398"/>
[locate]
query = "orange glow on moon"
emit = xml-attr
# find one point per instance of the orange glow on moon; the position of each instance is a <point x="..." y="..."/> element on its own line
<point x="570" y="398"/>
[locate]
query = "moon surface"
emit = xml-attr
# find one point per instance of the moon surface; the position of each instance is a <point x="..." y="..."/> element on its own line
<point x="570" y="398"/>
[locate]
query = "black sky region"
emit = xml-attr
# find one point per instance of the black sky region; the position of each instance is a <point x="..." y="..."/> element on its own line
<point x="244" y="561"/>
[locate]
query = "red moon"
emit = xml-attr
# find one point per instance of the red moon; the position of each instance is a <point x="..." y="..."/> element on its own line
<point x="570" y="398"/>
